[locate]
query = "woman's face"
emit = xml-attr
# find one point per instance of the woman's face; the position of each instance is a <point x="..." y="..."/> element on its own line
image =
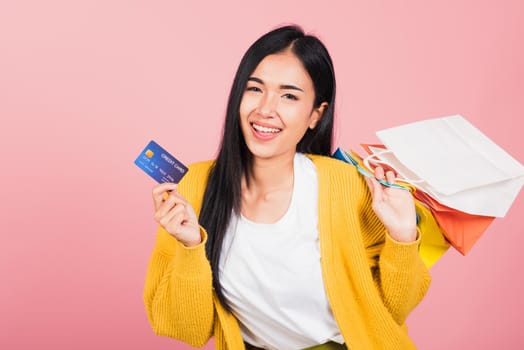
<point x="277" y="106"/>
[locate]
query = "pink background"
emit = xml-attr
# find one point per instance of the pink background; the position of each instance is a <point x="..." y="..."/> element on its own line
<point x="84" y="85"/>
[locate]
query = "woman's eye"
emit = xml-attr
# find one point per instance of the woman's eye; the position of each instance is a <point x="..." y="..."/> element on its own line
<point x="290" y="97"/>
<point x="253" y="88"/>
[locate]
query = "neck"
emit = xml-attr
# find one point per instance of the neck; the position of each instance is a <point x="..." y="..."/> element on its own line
<point x="271" y="174"/>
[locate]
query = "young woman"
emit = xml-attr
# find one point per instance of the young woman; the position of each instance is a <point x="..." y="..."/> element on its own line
<point x="275" y="244"/>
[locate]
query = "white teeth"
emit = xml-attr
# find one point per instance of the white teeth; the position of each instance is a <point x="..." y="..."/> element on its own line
<point x="264" y="129"/>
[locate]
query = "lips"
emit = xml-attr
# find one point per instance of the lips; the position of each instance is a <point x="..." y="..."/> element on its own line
<point x="264" y="132"/>
<point x="261" y="128"/>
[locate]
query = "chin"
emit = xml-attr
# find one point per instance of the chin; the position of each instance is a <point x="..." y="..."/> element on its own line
<point x="267" y="152"/>
<point x="256" y="152"/>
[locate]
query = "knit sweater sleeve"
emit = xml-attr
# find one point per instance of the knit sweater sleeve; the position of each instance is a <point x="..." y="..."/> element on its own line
<point x="178" y="288"/>
<point x="399" y="273"/>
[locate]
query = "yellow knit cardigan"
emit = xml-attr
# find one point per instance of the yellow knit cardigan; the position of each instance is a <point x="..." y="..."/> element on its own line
<point x="372" y="282"/>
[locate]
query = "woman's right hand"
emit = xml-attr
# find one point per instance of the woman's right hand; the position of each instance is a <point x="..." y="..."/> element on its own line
<point x="176" y="215"/>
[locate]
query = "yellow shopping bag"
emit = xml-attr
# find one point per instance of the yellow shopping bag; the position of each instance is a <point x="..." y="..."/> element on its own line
<point x="433" y="244"/>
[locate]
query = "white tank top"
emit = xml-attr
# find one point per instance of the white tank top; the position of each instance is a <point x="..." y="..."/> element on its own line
<point x="271" y="274"/>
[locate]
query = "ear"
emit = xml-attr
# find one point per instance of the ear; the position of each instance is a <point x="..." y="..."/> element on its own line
<point x="317" y="114"/>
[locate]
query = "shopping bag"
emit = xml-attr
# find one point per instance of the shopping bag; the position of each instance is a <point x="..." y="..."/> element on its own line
<point x="462" y="230"/>
<point x="433" y="244"/>
<point x="455" y="163"/>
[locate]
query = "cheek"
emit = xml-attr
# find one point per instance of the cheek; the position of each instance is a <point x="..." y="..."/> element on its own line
<point x="300" y="116"/>
<point x="247" y="105"/>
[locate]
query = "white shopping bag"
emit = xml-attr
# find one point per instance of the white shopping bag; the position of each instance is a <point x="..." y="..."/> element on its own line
<point x="455" y="163"/>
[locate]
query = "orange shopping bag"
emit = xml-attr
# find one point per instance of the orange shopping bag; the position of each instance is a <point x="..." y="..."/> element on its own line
<point x="462" y="230"/>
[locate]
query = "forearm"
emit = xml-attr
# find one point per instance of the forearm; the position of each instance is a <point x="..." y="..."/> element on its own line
<point x="402" y="277"/>
<point x="178" y="291"/>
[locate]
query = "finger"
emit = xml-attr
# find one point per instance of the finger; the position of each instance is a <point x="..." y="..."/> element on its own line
<point x="172" y="200"/>
<point x="162" y="197"/>
<point x="390" y="177"/>
<point x="177" y="223"/>
<point x="375" y="188"/>
<point x="379" y="173"/>
<point x="163" y="187"/>
<point x="174" y="218"/>
<point x="370" y="184"/>
<point x="176" y="198"/>
<point x="160" y="191"/>
<point x="164" y="208"/>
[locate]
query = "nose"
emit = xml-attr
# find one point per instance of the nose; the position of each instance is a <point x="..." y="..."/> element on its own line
<point x="268" y="105"/>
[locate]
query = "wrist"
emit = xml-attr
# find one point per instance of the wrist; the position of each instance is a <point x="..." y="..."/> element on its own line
<point x="192" y="243"/>
<point x="404" y="236"/>
<point x="194" y="239"/>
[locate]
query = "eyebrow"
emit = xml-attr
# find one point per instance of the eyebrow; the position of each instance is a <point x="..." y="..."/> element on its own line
<point x="283" y="87"/>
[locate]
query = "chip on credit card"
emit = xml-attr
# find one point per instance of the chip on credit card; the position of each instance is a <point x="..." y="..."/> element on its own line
<point x="160" y="164"/>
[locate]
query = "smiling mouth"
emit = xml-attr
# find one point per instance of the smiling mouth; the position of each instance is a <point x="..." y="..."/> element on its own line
<point x="265" y="129"/>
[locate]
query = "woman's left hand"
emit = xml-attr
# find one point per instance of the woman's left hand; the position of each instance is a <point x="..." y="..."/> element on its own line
<point x="394" y="207"/>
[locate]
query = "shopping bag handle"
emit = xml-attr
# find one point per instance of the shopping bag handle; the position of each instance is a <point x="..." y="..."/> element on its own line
<point x="370" y="158"/>
<point x="349" y="159"/>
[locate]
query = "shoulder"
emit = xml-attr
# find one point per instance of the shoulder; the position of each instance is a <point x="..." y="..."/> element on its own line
<point x="329" y="166"/>
<point x="200" y="168"/>
<point x="197" y="172"/>
<point x="338" y="175"/>
<point x="193" y="184"/>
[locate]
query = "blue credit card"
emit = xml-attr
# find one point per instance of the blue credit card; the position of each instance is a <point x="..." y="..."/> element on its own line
<point x="159" y="164"/>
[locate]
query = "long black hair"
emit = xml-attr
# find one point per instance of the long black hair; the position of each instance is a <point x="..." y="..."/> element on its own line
<point x="223" y="192"/>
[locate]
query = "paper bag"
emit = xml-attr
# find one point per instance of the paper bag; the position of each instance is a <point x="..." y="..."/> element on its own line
<point x="456" y="164"/>
<point x="461" y="230"/>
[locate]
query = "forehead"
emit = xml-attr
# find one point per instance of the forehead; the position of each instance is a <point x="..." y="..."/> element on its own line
<point x="283" y="68"/>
